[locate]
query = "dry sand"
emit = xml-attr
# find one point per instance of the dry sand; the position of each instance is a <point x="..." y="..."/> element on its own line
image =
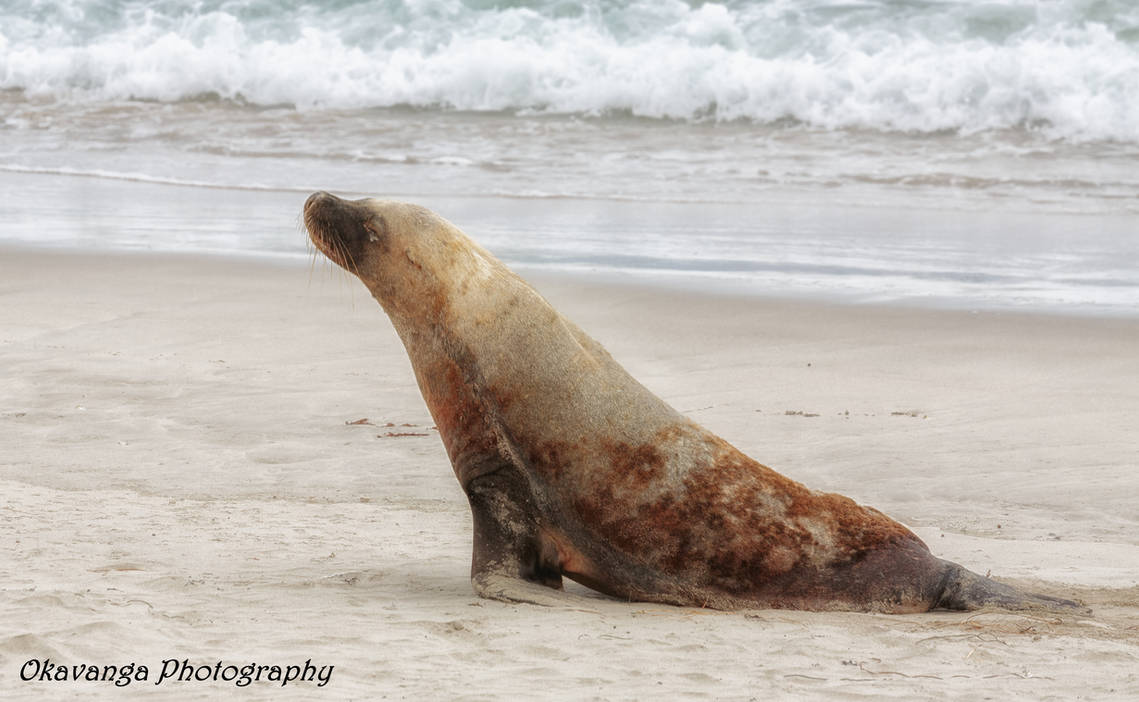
<point x="183" y="476"/>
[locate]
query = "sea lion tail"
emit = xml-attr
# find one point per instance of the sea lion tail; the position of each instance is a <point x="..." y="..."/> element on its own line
<point x="962" y="589"/>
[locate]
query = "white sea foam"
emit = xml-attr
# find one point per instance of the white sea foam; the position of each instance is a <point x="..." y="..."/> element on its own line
<point x="1069" y="68"/>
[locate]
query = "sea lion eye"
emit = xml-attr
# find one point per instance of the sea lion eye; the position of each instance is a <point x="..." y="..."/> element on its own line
<point x="373" y="229"/>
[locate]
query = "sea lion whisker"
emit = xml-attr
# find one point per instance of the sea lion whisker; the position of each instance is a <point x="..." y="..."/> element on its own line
<point x="344" y="269"/>
<point x="351" y="267"/>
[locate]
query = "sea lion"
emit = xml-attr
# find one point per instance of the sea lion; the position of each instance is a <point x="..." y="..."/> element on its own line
<point x="572" y="468"/>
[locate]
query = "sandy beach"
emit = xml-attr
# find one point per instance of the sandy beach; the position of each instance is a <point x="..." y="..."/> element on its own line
<point x="224" y="460"/>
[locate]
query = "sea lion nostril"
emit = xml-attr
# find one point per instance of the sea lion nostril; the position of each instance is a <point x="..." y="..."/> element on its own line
<point x="318" y="197"/>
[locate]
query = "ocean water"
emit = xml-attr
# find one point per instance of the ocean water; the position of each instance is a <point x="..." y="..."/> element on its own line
<point x="958" y="153"/>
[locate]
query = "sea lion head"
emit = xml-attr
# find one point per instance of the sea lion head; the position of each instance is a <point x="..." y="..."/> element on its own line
<point x="412" y="260"/>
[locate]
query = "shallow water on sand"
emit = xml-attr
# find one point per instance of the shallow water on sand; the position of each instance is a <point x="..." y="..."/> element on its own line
<point x="991" y="259"/>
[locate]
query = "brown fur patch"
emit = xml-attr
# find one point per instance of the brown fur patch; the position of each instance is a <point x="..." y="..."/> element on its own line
<point x="733" y="525"/>
<point x="634" y="466"/>
<point x="551" y="458"/>
<point x="469" y="440"/>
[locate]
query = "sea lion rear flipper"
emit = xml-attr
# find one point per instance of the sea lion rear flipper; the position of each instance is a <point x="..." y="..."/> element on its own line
<point x="510" y="560"/>
<point x="963" y="589"/>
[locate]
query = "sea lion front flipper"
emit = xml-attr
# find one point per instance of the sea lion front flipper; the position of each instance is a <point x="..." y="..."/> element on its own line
<point x="500" y="587"/>
<point x="510" y="559"/>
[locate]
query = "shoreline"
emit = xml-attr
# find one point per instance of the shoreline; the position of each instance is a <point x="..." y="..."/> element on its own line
<point x="186" y="476"/>
<point x="801" y="246"/>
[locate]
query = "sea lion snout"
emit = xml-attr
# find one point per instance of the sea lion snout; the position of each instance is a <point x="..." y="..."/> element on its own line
<point x="318" y="197"/>
<point x="320" y="208"/>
